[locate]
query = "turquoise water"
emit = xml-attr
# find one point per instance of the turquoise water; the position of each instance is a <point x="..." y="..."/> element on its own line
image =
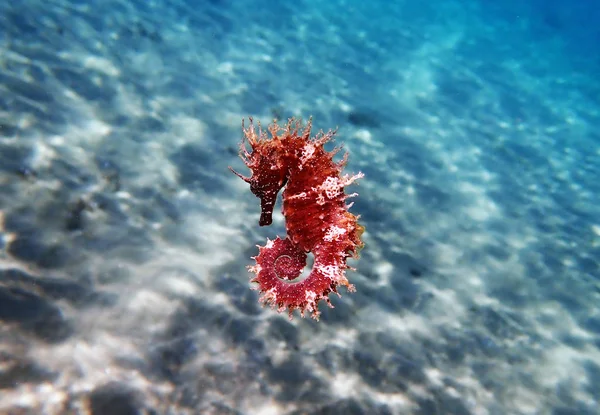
<point x="124" y="238"/>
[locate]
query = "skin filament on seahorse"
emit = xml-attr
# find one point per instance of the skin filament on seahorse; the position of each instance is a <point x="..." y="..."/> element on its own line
<point x="315" y="210"/>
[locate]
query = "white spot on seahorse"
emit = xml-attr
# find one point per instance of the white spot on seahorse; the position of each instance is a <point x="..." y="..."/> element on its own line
<point x="330" y="271"/>
<point x="310" y="297"/>
<point x="307" y="153"/>
<point x="331" y="187"/>
<point x="298" y="196"/>
<point x="255" y="269"/>
<point x="320" y="199"/>
<point x="270" y="296"/>
<point x="333" y="233"/>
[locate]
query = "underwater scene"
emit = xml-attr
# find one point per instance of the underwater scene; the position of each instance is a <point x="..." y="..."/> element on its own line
<point x="414" y="228"/>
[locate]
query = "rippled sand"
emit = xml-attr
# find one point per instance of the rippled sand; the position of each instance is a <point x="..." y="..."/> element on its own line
<point x="124" y="239"/>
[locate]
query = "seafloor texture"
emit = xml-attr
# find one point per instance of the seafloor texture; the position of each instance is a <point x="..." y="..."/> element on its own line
<point x="124" y="238"/>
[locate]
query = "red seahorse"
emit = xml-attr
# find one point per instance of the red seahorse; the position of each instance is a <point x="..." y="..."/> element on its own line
<point x="315" y="211"/>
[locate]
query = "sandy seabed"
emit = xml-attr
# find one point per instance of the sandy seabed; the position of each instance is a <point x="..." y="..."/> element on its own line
<point x="124" y="239"/>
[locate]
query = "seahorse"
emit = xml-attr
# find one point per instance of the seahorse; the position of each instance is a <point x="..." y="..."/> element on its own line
<point x="317" y="218"/>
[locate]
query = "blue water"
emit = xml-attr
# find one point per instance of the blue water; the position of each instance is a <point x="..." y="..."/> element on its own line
<point x="124" y="238"/>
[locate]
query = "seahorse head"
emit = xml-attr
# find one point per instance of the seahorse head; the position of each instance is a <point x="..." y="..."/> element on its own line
<point x="269" y="171"/>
